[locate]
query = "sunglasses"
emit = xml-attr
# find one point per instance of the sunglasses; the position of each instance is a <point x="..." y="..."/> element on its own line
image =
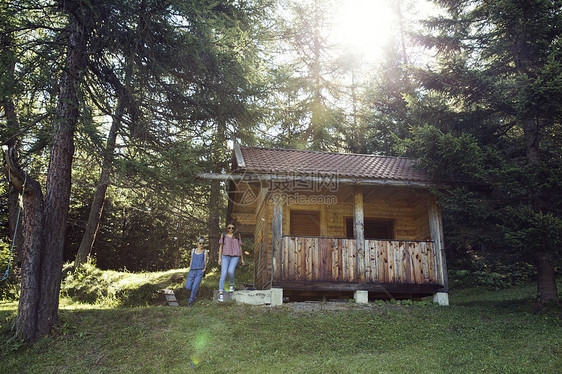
<point x="230" y="228"/>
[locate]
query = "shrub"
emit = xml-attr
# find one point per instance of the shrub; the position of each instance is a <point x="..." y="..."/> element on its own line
<point x="9" y="287"/>
<point x="509" y="277"/>
<point x="94" y="286"/>
<point x="86" y="284"/>
<point x="141" y="295"/>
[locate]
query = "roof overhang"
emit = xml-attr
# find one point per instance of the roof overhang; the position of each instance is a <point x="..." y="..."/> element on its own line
<point x="262" y="177"/>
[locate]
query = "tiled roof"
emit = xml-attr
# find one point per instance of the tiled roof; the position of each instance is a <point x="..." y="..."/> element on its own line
<point x="290" y="161"/>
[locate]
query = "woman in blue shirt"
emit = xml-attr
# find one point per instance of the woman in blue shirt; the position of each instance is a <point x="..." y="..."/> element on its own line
<point x="197" y="267"/>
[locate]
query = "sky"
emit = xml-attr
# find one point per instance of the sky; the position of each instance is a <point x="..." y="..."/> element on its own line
<point x="365" y="26"/>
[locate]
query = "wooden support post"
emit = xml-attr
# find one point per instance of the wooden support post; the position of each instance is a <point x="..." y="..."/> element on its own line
<point x="436" y="229"/>
<point x="359" y="230"/>
<point x="276" y="234"/>
<point x="323" y="220"/>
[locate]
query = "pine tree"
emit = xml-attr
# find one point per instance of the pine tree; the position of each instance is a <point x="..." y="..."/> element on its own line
<point x="307" y="89"/>
<point x="492" y="110"/>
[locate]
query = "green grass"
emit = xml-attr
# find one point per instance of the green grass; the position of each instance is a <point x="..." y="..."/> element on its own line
<point x="482" y="331"/>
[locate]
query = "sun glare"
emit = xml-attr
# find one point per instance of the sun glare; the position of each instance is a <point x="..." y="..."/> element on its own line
<point x="364" y="26"/>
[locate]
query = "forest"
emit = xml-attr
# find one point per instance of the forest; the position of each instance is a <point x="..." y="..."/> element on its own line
<point x="110" y="109"/>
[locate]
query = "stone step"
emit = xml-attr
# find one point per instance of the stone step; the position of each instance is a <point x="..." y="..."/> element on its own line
<point x="170" y="297"/>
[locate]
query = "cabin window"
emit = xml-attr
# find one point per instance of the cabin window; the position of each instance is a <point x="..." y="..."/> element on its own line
<point x="375" y="228"/>
<point x="305" y="223"/>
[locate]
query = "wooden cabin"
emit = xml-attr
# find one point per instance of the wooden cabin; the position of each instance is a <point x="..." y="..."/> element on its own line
<point x="333" y="224"/>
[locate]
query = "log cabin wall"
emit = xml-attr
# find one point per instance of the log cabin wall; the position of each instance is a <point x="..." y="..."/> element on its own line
<point x="407" y="213"/>
<point x="421" y="218"/>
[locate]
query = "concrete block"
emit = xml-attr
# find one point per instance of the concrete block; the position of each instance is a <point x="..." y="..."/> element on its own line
<point x="276" y="296"/>
<point x="273" y="297"/>
<point x="441" y="298"/>
<point x="252" y="297"/>
<point x="361" y="297"/>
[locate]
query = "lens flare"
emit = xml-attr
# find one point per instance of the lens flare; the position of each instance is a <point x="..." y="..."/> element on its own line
<point x="201" y="340"/>
<point x="195" y="361"/>
<point x="199" y="344"/>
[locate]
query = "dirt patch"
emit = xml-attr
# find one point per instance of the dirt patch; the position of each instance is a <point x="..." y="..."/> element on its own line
<point x="333" y="306"/>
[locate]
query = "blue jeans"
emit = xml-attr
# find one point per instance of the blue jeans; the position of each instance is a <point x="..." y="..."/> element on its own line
<point x="193" y="281"/>
<point x="228" y="264"/>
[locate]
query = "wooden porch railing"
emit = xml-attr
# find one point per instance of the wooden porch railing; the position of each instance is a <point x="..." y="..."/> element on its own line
<point x="335" y="259"/>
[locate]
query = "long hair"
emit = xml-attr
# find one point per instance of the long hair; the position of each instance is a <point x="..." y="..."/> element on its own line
<point x="235" y="232"/>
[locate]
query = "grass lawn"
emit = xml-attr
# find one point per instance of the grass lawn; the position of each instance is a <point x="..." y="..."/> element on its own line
<point x="481" y="331"/>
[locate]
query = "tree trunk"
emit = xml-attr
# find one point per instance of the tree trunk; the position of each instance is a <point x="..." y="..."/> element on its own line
<point x="57" y="197"/>
<point x="12" y="125"/>
<point x="531" y="134"/>
<point x="402" y="32"/>
<point x="177" y="249"/>
<point x="215" y="198"/>
<point x="96" y="210"/>
<point x="213" y="222"/>
<point x="546" y="278"/>
<point x="16" y="232"/>
<point x="15" y="216"/>
<point x="44" y="221"/>
<point x="32" y="224"/>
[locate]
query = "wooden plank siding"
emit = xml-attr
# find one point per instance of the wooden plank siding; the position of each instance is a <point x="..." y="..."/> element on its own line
<point x="262" y="247"/>
<point x="320" y="259"/>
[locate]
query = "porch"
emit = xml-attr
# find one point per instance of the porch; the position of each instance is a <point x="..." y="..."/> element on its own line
<point x="328" y="263"/>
